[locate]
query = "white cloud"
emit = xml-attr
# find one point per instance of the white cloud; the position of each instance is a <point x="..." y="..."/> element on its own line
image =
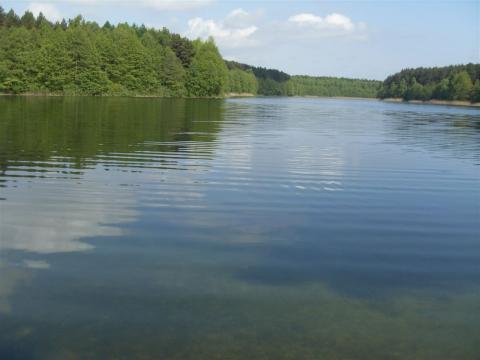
<point x="331" y="25"/>
<point x="48" y="10"/>
<point x="36" y="264"/>
<point x="47" y="229"/>
<point x="235" y="31"/>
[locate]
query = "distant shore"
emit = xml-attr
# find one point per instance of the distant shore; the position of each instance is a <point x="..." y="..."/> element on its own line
<point x="249" y="95"/>
<point x="434" y="102"/>
<point x="239" y="95"/>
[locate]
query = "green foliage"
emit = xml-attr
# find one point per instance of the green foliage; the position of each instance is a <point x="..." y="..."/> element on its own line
<point x="28" y="20"/>
<point x="330" y="86"/>
<point x="260" y="72"/>
<point x="173" y="74"/>
<point x="442" y="90"/>
<point x="87" y="76"/>
<point x="183" y="49"/>
<point x="208" y="73"/>
<point x="475" y="96"/>
<point x="270" y="87"/>
<point x="441" y="83"/>
<point x="2" y="16"/>
<point x="81" y="58"/>
<point x="461" y="86"/>
<point x="277" y="83"/>
<point x="240" y="81"/>
<point x="12" y="19"/>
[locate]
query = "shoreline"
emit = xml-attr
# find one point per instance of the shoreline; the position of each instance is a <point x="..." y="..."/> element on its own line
<point x="333" y="97"/>
<point x="459" y="103"/>
<point x="433" y="102"/>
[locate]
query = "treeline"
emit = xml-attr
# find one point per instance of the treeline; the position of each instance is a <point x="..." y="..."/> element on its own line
<point x="458" y="82"/>
<point x="84" y="58"/>
<point x="79" y="57"/>
<point x="270" y="82"/>
<point x="278" y="83"/>
<point x="330" y="86"/>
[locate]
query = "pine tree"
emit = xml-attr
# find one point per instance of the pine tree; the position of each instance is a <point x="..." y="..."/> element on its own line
<point x="3" y="17"/>
<point x="28" y="20"/>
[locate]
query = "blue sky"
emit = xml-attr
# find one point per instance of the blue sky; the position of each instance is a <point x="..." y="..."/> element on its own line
<point x="361" y="39"/>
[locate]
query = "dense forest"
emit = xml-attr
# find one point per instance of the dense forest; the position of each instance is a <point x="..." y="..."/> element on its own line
<point x="78" y="57"/>
<point x="278" y="83"/>
<point x="331" y="86"/>
<point x="459" y="82"/>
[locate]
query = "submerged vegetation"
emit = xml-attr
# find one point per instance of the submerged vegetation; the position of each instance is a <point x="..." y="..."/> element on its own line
<point x="459" y="82"/>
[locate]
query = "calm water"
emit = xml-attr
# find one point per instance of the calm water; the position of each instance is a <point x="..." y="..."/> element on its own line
<point x="239" y="229"/>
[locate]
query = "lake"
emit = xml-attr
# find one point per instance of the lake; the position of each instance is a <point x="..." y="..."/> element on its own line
<point x="260" y="228"/>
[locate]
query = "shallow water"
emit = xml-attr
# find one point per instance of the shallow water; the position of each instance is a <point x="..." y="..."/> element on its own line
<point x="270" y="228"/>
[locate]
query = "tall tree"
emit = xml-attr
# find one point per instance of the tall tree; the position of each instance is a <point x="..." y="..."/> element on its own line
<point x="173" y="74"/>
<point x="12" y="19"/>
<point x="207" y="75"/>
<point x="3" y="17"/>
<point x="86" y="75"/>
<point x="461" y="86"/>
<point x="183" y="48"/>
<point x="475" y="96"/>
<point x="28" y="20"/>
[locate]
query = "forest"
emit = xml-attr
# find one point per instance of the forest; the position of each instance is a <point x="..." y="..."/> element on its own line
<point x="82" y="58"/>
<point x="79" y="57"/>
<point x="278" y="83"/>
<point x="457" y="82"/>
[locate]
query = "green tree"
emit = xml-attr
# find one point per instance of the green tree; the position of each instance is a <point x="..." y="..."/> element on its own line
<point x="12" y="19"/>
<point x="173" y="74"/>
<point x="442" y="90"/>
<point x="86" y="75"/>
<point x="18" y="47"/>
<point x="3" y="17"/>
<point x="207" y="75"/>
<point x="475" y="96"/>
<point x="54" y="62"/>
<point x="461" y="86"/>
<point x="28" y="20"/>
<point x="42" y="21"/>
<point x="240" y="81"/>
<point x="183" y="48"/>
<point x="402" y="89"/>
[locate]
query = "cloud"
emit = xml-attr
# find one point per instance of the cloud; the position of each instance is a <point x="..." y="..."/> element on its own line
<point x="36" y="264"/>
<point x="50" y="11"/>
<point x="235" y="31"/>
<point x="47" y="229"/>
<point x="331" y="25"/>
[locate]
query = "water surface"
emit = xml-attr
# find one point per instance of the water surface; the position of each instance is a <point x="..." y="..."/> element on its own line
<point x="242" y="229"/>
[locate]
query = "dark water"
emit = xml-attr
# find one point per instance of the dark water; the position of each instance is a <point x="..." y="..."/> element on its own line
<point x="239" y="229"/>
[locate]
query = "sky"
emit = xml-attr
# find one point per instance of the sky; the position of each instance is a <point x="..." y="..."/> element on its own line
<point x="358" y="39"/>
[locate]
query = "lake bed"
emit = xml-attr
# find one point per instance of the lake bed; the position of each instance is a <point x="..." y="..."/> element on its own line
<point x="262" y="228"/>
